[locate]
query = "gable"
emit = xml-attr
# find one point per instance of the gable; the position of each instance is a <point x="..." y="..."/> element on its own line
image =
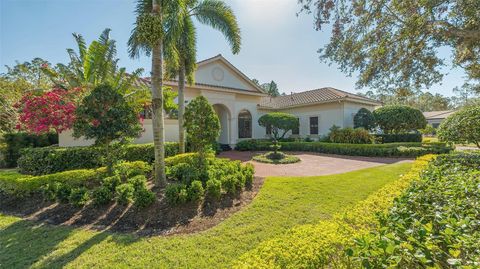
<point x="219" y="72"/>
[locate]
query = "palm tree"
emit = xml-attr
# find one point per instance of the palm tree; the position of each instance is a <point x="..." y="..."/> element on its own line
<point x="158" y="23"/>
<point x="219" y="16"/>
<point x="92" y="65"/>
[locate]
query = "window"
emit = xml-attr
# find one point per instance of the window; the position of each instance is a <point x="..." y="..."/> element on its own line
<point x="296" y="131"/>
<point x="244" y="124"/>
<point x="314" y="125"/>
<point x="268" y="129"/>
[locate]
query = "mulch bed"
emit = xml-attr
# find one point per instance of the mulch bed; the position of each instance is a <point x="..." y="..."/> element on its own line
<point x="158" y="219"/>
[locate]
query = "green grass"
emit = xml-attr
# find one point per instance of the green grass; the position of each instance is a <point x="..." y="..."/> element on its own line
<point x="281" y="204"/>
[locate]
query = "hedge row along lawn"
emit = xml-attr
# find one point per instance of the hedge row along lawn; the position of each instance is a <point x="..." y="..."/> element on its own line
<point x="282" y="203"/>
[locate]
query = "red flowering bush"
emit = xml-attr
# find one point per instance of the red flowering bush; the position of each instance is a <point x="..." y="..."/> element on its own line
<point x="51" y="110"/>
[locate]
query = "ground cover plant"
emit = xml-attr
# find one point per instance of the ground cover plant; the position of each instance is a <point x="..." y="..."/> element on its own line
<point x="282" y="203"/>
<point x="276" y="158"/>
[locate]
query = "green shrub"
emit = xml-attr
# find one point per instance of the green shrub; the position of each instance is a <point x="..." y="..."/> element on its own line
<point x="195" y="191"/>
<point x="184" y="172"/>
<point x="40" y="161"/>
<point x="138" y="182"/>
<point x="143" y="197"/>
<point x="214" y="188"/>
<point x="124" y="193"/>
<point x="371" y="150"/>
<point x="399" y="119"/>
<point x="49" y="191"/>
<point x="15" y="142"/>
<point x="350" y="135"/>
<point x="435" y="223"/>
<point x="176" y="194"/>
<point x="364" y="119"/>
<point x="462" y="127"/>
<point x="63" y="193"/>
<point x="249" y="172"/>
<point x="325" y="244"/>
<point x="111" y="182"/>
<point x="395" y="138"/>
<point x="102" y="195"/>
<point x="79" y="197"/>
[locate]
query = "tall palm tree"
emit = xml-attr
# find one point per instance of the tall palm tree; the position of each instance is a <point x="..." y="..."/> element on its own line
<point x="220" y="17"/>
<point x="158" y="23"/>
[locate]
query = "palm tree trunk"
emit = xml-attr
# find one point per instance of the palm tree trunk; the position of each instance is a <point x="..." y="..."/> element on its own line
<point x="181" y="108"/>
<point x="157" y="107"/>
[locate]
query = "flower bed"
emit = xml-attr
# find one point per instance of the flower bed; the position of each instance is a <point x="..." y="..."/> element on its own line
<point x="280" y="158"/>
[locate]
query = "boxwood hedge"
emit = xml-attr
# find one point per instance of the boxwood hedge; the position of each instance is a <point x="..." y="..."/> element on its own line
<point x="41" y="161"/>
<point x="411" y="149"/>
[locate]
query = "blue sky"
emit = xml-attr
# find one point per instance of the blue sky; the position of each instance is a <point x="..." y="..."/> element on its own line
<point x="277" y="45"/>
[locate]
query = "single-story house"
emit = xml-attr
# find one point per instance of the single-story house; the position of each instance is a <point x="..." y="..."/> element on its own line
<point x="434" y="118"/>
<point x="239" y="103"/>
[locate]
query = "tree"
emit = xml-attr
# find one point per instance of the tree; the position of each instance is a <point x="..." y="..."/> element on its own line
<point x="43" y="112"/>
<point x="395" y="44"/>
<point x="210" y="12"/>
<point x="398" y="119"/>
<point x="93" y="65"/>
<point x="202" y="124"/>
<point x="462" y="127"/>
<point x="271" y="88"/>
<point x="364" y="119"/>
<point x="279" y="122"/>
<point x="157" y="27"/>
<point x="466" y="95"/>
<point x="15" y="83"/>
<point x="105" y="116"/>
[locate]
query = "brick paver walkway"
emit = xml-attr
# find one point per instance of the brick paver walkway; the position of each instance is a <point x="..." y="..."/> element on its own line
<point x="311" y="164"/>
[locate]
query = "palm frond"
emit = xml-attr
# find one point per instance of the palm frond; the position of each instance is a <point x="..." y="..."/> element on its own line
<point x="82" y="46"/>
<point x="219" y="16"/>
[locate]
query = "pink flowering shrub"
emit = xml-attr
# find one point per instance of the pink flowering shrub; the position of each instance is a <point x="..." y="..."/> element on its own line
<point x="53" y="110"/>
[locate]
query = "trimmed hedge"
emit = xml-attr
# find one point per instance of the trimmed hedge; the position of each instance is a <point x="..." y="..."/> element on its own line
<point x="25" y="184"/>
<point x="325" y="244"/>
<point x="41" y="161"/>
<point x="15" y="142"/>
<point x="395" y="138"/>
<point x="380" y="150"/>
<point x="435" y="223"/>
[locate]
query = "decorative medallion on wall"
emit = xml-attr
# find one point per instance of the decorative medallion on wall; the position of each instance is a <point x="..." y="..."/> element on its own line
<point x="217" y="74"/>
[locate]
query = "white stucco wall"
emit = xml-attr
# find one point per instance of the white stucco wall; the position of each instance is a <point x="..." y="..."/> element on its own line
<point x="217" y="73"/>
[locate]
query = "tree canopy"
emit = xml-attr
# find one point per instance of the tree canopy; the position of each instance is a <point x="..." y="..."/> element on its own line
<point x="364" y="119"/>
<point x="398" y="119"/>
<point x="279" y="122"/>
<point x="105" y="115"/>
<point x="395" y="44"/>
<point x="462" y="127"/>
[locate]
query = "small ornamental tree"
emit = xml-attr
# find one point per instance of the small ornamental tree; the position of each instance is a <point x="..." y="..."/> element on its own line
<point x="202" y="124"/>
<point x="364" y="119"/>
<point x="399" y="119"/>
<point x="43" y="112"/>
<point x="104" y="115"/>
<point x="462" y="127"/>
<point x="280" y="123"/>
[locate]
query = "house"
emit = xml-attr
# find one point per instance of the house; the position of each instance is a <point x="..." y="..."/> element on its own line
<point x="239" y="104"/>
<point x="434" y="118"/>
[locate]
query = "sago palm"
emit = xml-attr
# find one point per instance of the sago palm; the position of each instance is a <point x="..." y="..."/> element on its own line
<point x="158" y="24"/>
<point x="219" y="16"/>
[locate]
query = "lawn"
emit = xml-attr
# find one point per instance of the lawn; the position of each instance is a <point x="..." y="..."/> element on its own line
<point x="281" y="204"/>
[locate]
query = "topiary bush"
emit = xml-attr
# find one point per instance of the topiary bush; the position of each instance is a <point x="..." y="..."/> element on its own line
<point x="395" y="138"/>
<point x="364" y="119"/>
<point x="399" y="119"/>
<point x="195" y="191"/>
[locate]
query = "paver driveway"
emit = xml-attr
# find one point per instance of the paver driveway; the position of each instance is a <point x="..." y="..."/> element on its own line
<point x="311" y="164"/>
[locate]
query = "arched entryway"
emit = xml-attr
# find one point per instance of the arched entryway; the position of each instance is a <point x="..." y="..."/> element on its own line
<point x="224" y="117"/>
<point x="244" y="124"/>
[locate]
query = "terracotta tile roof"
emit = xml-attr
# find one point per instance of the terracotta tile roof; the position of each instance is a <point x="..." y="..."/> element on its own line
<point x="438" y="114"/>
<point x="322" y="95"/>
